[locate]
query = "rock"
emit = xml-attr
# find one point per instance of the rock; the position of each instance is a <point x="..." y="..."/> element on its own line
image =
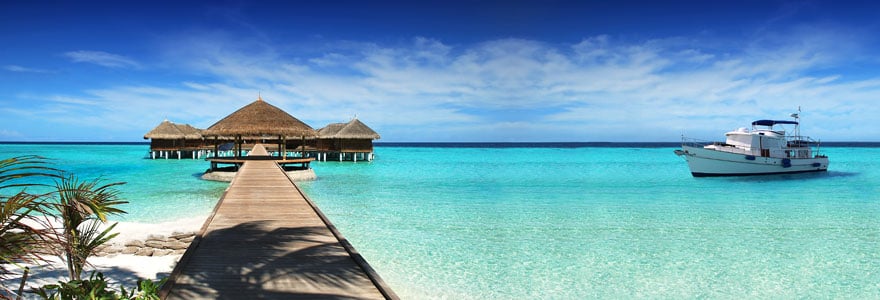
<point x="144" y="252"/>
<point x="130" y="250"/>
<point x="155" y="244"/>
<point x="162" y="252"/>
<point x="154" y="237"/>
<point x="176" y="245"/>
<point x="180" y="236"/>
<point x="112" y="250"/>
<point x="188" y="239"/>
<point x="134" y="243"/>
<point x="179" y="252"/>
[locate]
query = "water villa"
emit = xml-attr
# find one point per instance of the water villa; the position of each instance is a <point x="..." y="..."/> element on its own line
<point x="260" y="122"/>
<point x="346" y="141"/>
<point x="177" y="140"/>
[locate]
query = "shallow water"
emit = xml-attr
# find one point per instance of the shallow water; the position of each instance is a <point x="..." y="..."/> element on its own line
<point x="157" y="190"/>
<point x="489" y="223"/>
<point x="605" y="223"/>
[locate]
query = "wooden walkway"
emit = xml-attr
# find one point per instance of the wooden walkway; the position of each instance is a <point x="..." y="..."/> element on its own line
<point x="265" y="240"/>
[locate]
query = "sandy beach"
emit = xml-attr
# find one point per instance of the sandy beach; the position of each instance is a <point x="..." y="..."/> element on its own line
<point x="118" y="268"/>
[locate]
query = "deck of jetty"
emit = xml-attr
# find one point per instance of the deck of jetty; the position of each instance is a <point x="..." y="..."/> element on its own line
<point x="266" y="239"/>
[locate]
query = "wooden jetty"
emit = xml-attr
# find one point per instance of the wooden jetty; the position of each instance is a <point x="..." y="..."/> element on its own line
<point x="266" y="240"/>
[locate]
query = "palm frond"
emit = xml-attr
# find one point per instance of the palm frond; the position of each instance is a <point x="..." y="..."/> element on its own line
<point x="22" y="167"/>
<point x="23" y="233"/>
<point x="89" y="238"/>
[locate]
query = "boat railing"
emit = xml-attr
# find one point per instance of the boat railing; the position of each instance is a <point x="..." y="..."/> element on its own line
<point x="801" y="142"/>
<point x="697" y="143"/>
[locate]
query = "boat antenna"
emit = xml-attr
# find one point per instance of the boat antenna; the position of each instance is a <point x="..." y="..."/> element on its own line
<point x="797" y="118"/>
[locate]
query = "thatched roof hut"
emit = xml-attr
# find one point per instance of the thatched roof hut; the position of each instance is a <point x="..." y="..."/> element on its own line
<point x="354" y="129"/>
<point x="167" y="130"/>
<point x="259" y="119"/>
<point x="328" y="131"/>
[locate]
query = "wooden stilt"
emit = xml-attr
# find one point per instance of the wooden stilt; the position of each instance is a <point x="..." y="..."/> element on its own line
<point x="282" y="147"/>
<point x="303" y="145"/>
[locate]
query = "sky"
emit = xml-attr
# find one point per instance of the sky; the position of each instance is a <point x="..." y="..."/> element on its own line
<point x="443" y="71"/>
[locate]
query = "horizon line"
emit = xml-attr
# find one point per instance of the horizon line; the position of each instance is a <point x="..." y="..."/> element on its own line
<point x="428" y="143"/>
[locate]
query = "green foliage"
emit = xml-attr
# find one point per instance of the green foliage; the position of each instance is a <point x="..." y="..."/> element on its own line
<point x="23" y="167"/>
<point x="96" y="287"/>
<point x="146" y="290"/>
<point x="23" y="229"/>
<point x="81" y="207"/>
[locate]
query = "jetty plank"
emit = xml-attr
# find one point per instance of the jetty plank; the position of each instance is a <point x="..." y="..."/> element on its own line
<point x="265" y="240"/>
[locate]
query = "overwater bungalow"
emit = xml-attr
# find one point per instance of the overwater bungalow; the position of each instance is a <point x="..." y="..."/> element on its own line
<point x="260" y="122"/>
<point x="176" y="141"/>
<point x="346" y="141"/>
<point x="282" y="135"/>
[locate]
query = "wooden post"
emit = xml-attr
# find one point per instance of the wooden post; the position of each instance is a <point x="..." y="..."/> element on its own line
<point x="283" y="147"/>
<point x="237" y="146"/>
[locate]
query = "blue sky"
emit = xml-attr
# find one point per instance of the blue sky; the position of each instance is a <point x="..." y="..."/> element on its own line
<point x="458" y="71"/>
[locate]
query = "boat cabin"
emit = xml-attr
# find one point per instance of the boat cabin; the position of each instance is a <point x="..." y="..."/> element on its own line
<point x="765" y="140"/>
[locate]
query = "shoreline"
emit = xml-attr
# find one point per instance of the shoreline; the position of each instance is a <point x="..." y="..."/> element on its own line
<point x="118" y="268"/>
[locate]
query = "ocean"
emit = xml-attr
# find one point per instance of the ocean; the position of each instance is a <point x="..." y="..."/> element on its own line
<point x="559" y="221"/>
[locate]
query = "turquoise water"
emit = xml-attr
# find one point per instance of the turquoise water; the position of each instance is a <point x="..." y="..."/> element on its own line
<point x="561" y="223"/>
<point x="605" y="223"/>
<point x="157" y="190"/>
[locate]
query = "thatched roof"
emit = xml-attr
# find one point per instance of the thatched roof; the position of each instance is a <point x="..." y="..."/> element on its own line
<point x="355" y="129"/>
<point x="167" y="130"/>
<point x="330" y="130"/>
<point x="259" y="119"/>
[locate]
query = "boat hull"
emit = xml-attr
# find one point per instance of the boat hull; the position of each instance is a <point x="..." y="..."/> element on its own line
<point x="707" y="163"/>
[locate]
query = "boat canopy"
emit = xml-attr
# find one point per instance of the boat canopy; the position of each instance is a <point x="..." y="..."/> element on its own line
<point x="772" y="122"/>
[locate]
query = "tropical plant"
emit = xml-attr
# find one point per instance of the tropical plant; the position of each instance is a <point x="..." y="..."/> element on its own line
<point x="97" y="287"/>
<point x="146" y="290"/>
<point x="81" y="207"/>
<point x="24" y="229"/>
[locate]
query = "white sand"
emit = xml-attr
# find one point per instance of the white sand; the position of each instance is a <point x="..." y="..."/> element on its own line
<point x="120" y="268"/>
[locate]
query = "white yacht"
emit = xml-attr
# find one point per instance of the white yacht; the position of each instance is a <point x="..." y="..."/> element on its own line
<point x="763" y="150"/>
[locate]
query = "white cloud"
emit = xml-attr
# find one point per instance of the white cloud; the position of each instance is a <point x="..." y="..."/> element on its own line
<point x="102" y="59"/>
<point x="597" y="89"/>
<point x="20" y="69"/>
